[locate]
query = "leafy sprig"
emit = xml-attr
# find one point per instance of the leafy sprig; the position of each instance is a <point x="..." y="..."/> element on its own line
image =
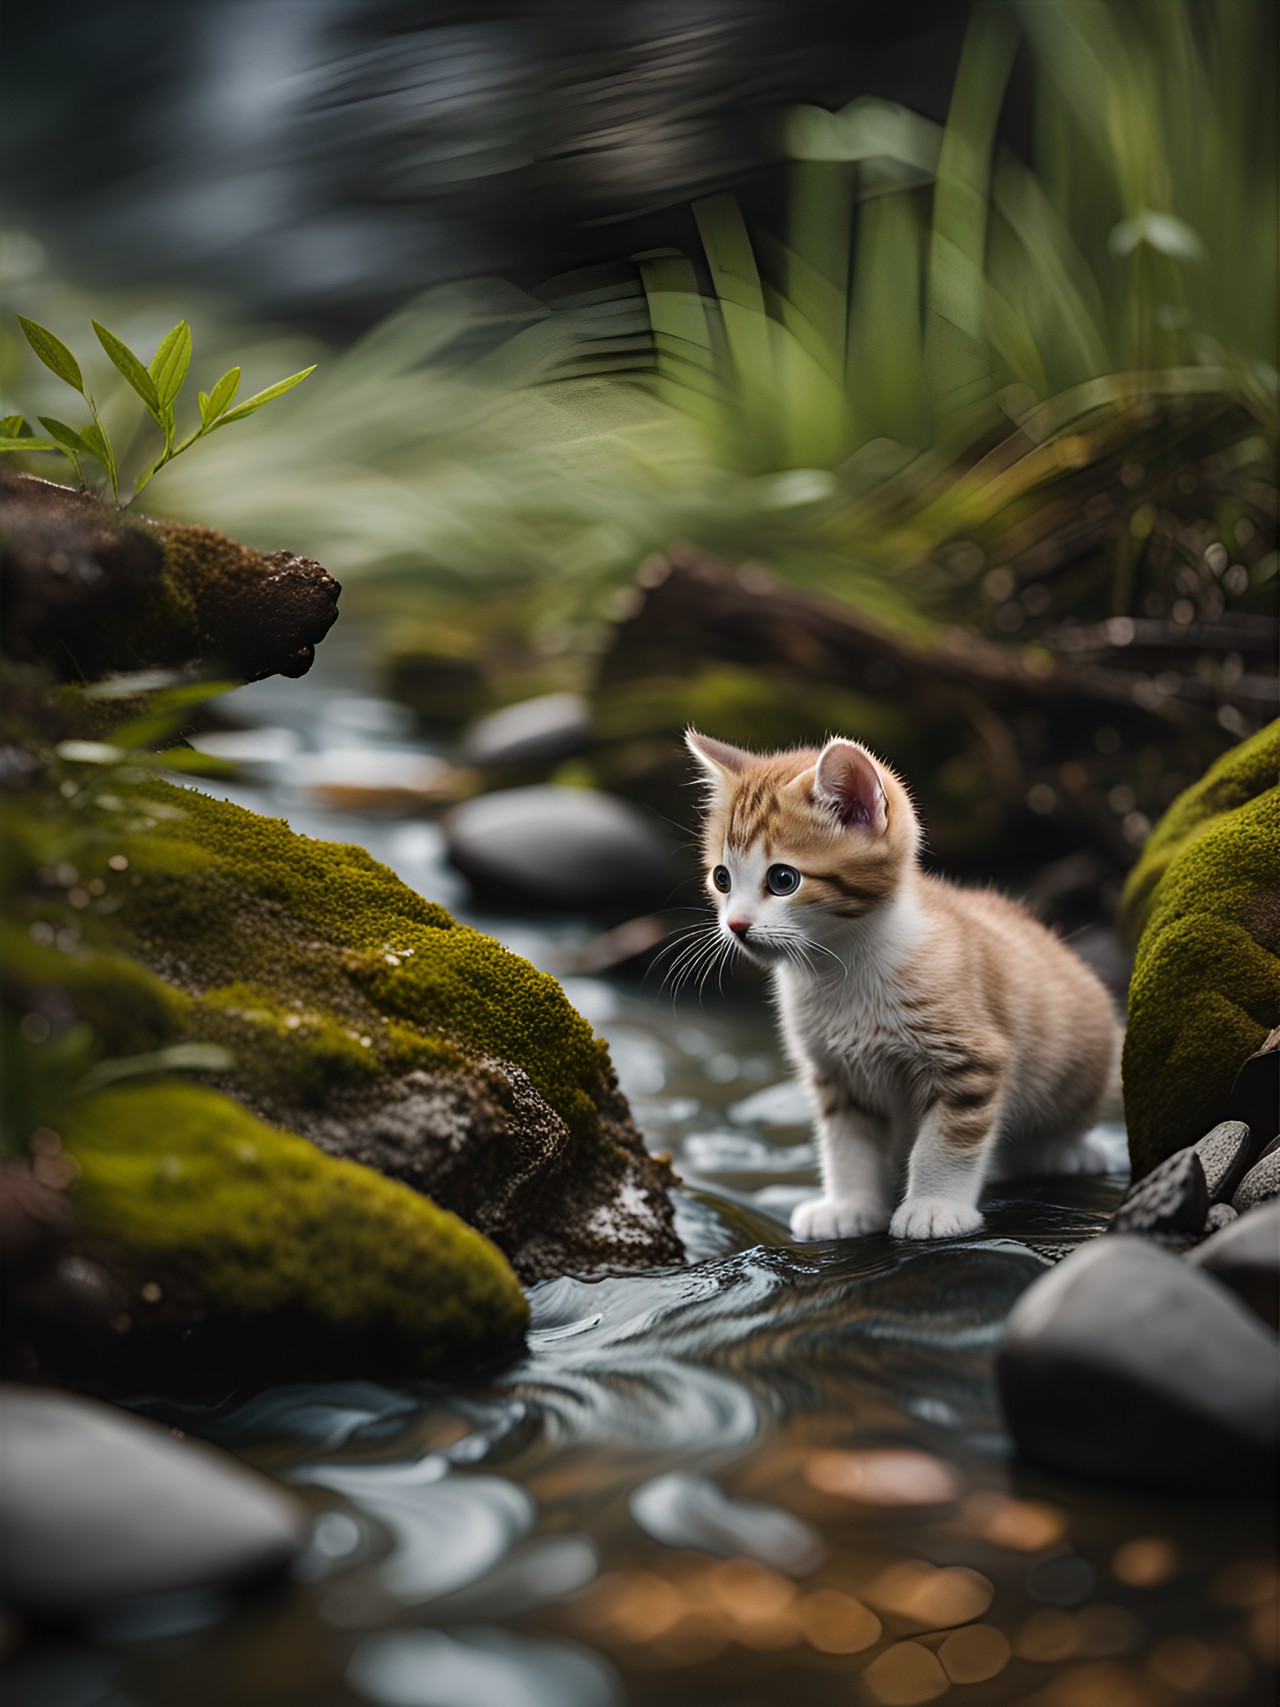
<point x="158" y="383"/>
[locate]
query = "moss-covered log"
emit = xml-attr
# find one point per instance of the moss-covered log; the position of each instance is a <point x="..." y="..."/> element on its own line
<point x="87" y="591"/>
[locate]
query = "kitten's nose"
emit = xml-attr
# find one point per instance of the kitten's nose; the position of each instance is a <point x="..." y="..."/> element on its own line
<point x="740" y="928"/>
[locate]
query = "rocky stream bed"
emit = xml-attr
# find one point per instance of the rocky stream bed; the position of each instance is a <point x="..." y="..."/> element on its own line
<point x="764" y="1472"/>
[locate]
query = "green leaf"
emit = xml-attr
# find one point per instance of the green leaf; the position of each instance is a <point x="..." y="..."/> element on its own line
<point x="10" y="426"/>
<point x="129" y="365"/>
<point x="28" y="444"/>
<point x="169" y="365"/>
<point x="206" y="413"/>
<point x="223" y="392"/>
<point x="68" y="439"/>
<point x="53" y="353"/>
<point x="95" y="442"/>
<point x="272" y="391"/>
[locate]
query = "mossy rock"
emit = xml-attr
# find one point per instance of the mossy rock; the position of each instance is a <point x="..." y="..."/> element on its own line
<point x="1204" y="903"/>
<point x="232" y="1246"/>
<point x="359" y="1016"/>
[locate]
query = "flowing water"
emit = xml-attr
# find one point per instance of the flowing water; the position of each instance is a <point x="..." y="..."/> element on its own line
<point x="773" y="1475"/>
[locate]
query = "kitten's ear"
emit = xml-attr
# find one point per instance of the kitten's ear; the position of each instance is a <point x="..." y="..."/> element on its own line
<point x="848" y="780"/>
<point x="717" y="758"/>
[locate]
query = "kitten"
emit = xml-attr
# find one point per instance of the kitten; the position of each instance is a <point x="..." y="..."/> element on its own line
<point x="933" y="1025"/>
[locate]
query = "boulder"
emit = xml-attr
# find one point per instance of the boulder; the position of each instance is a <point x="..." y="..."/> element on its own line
<point x="215" y="1248"/>
<point x="98" y="1507"/>
<point x="534" y="733"/>
<point x="565" y="849"/>
<point x="87" y="590"/>
<point x="1173" y="1199"/>
<point x="1205" y="991"/>
<point x="1224" y="1154"/>
<point x="1128" y="1364"/>
<point x="1245" y="1255"/>
<point x="326" y="1002"/>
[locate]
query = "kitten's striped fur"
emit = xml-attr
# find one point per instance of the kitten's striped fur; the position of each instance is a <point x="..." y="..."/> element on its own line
<point x="944" y="1034"/>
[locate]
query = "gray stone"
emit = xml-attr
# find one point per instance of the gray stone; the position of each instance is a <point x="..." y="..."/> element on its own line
<point x="99" y="1507"/>
<point x="1245" y="1256"/>
<point x="1127" y="1364"/>
<point x="1172" y="1199"/>
<point x="1225" y="1154"/>
<point x="535" y="732"/>
<point x="565" y="849"/>
<point x="1220" y="1215"/>
<point x="1261" y="1182"/>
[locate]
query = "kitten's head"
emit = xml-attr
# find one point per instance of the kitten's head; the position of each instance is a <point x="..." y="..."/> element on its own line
<point x="800" y="846"/>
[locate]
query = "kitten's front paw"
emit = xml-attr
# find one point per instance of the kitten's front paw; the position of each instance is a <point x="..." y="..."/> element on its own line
<point x="933" y="1218"/>
<point x="838" y="1218"/>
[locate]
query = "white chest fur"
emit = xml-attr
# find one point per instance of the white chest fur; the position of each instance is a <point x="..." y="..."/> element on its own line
<point x="848" y="1018"/>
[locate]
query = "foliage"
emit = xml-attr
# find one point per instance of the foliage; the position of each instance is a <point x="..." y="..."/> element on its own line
<point x="1206" y="982"/>
<point x="158" y="383"/>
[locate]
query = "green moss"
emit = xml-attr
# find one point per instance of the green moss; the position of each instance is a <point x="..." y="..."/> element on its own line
<point x="1240" y="775"/>
<point x="261" y="1224"/>
<point x="317" y="967"/>
<point x="1206" y="982"/>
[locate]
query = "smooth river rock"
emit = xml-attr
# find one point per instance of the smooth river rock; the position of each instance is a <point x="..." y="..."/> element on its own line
<point x="1172" y="1199"/>
<point x="1225" y="1154"/>
<point x="538" y="731"/>
<point x="98" y="1507"/>
<point x="1127" y="1364"/>
<point x="1245" y="1256"/>
<point x="564" y="849"/>
<point x="1261" y="1182"/>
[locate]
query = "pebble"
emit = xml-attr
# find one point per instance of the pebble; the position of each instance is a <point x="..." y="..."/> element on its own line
<point x="1220" y="1215"/>
<point x="1245" y="1255"/>
<point x="1172" y="1199"/>
<point x="1224" y="1155"/>
<point x="564" y="849"/>
<point x="540" y="731"/>
<point x="1262" y="1181"/>
<point x="98" y="1507"/>
<point x="1127" y="1364"/>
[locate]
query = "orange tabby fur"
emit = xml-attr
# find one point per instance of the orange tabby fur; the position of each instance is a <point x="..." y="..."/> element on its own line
<point x="943" y="1033"/>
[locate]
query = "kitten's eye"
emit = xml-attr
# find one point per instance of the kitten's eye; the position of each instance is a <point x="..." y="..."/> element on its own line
<point x="720" y="877"/>
<point x="782" y="879"/>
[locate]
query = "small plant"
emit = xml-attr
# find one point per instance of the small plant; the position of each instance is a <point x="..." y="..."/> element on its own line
<point x="158" y="384"/>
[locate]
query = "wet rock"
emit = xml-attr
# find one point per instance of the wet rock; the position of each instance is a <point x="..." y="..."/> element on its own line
<point x="98" y="1507"/>
<point x="1172" y="1199"/>
<point x="564" y="849"/>
<point x="210" y="1248"/>
<point x="1261" y="1182"/>
<point x="1245" y="1255"/>
<point x="1127" y="1364"/>
<point x="330" y="1004"/>
<point x="536" y="732"/>
<point x="87" y="591"/>
<point x="1224" y="1155"/>
<point x="1220" y="1215"/>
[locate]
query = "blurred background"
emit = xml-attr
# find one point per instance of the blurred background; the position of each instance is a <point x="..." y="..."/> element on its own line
<point x="909" y="372"/>
<point x="905" y="371"/>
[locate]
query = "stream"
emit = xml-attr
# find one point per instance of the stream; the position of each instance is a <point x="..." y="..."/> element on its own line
<point x="775" y="1474"/>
